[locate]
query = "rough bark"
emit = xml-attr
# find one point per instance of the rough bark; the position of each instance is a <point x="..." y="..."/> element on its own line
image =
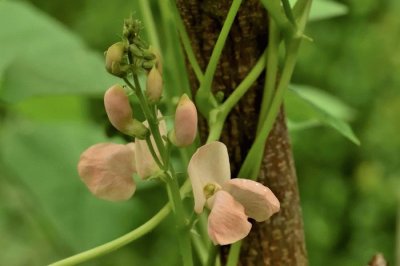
<point x="280" y="240"/>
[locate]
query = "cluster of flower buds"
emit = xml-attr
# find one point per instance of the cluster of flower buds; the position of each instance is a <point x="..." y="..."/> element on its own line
<point x="132" y="54"/>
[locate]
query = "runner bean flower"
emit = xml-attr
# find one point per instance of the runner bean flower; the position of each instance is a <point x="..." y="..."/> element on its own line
<point x="231" y="201"/>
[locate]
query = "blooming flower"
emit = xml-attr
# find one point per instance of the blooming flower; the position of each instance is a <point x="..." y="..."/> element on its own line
<point x="107" y="169"/>
<point x="231" y="201"/>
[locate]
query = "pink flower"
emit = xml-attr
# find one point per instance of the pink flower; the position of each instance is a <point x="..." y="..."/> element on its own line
<point x="231" y="201"/>
<point x="107" y="170"/>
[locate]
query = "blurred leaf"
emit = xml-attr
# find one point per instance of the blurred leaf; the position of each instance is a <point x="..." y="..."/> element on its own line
<point x="44" y="58"/>
<point x="44" y="157"/>
<point x="327" y="9"/>
<point x="323" y="9"/>
<point x="328" y="102"/>
<point x="300" y="107"/>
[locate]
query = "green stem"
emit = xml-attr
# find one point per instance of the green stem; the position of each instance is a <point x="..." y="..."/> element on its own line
<point x="234" y="253"/>
<point x="147" y="17"/>
<point x="252" y="162"/>
<point x="218" y="115"/>
<point x="186" y="44"/>
<point x="212" y="255"/>
<point x="243" y="87"/>
<point x="204" y="98"/>
<point x="151" y="118"/>
<point x="153" y="152"/>
<point x="183" y="233"/>
<point x="274" y="10"/>
<point x="288" y="12"/>
<point x="199" y="248"/>
<point x="117" y="243"/>
<point x="271" y="72"/>
<point x="125" y="239"/>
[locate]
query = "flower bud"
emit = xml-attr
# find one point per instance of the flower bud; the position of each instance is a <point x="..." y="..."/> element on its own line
<point x="118" y="108"/>
<point x="107" y="169"/>
<point x="157" y="58"/>
<point x="185" y="124"/>
<point x="114" y="56"/>
<point x="120" y="113"/>
<point x="154" y="86"/>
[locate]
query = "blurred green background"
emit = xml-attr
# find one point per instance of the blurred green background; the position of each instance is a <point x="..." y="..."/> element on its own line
<point x="51" y="83"/>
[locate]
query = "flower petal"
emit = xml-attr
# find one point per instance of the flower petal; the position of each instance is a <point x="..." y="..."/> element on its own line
<point x="107" y="169"/>
<point x="258" y="200"/>
<point x="227" y="222"/>
<point x="208" y="165"/>
<point x="145" y="164"/>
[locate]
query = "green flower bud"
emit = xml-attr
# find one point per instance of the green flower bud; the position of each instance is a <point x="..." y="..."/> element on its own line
<point x="135" y="50"/>
<point x="114" y="58"/>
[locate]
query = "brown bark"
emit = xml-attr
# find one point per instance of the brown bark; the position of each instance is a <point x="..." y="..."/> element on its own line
<point x="280" y="240"/>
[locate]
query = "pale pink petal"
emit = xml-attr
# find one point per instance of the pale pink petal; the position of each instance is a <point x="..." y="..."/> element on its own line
<point x="106" y="169"/>
<point x="133" y="148"/>
<point x="145" y="164"/>
<point x="258" y="200"/>
<point x="227" y="222"/>
<point x="208" y="165"/>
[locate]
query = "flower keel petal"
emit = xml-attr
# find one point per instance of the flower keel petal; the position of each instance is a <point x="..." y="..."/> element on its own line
<point x="258" y="200"/>
<point x="227" y="222"/>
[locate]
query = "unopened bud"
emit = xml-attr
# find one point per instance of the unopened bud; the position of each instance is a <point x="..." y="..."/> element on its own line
<point x="157" y="59"/>
<point x="114" y="57"/>
<point x="185" y="124"/>
<point x="119" y="112"/>
<point x="154" y="86"/>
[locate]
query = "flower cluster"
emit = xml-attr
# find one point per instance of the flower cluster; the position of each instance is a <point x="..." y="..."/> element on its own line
<point x="107" y="168"/>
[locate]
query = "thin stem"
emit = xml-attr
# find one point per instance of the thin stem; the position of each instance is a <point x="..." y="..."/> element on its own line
<point x="243" y="87"/>
<point x="183" y="233"/>
<point x="288" y="12"/>
<point x="274" y="10"/>
<point x="253" y="159"/>
<point x="125" y="239"/>
<point x="212" y="255"/>
<point x="117" y="243"/>
<point x="151" y="118"/>
<point x="252" y="162"/>
<point x="218" y="115"/>
<point x="199" y="248"/>
<point x="153" y="152"/>
<point x="147" y="17"/>
<point x="271" y="72"/>
<point x="204" y="98"/>
<point x="234" y="253"/>
<point x="186" y="44"/>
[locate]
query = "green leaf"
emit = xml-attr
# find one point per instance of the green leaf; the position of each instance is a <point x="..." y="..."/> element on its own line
<point x="323" y="9"/>
<point x="44" y="58"/>
<point x="326" y="9"/>
<point x="44" y="157"/>
<point x="329" y="103"/>
<point x="305" y="109"/>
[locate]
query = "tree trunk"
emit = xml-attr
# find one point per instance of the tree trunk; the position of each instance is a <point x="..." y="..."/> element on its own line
<point x="280" y="240"/>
